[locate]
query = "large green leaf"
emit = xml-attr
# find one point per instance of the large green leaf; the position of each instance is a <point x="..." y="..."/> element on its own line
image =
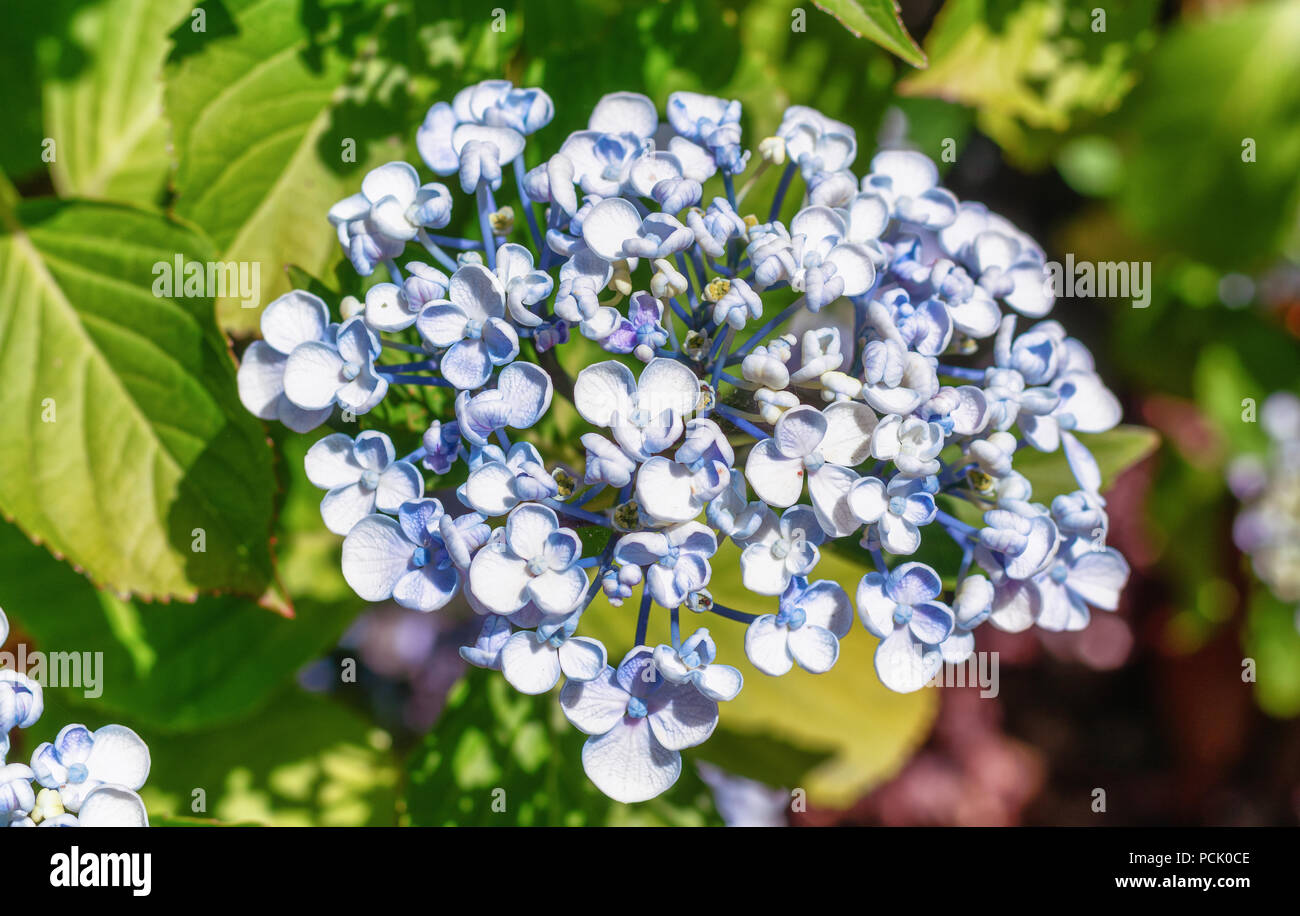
<point x="304" y="760"/>
<point x="501" y="758"/>
<point x="173" y="668"/>
<point x="103" y="101"/>
<point x="1033" y="69"/>
<point x="1116" y="450"/>
<point x="250" y="102"/>
<point x="126" y="446"/>
<point x="1214" y="87"/>
<point x="834" y="735"/>
<point x="878" y="20"/>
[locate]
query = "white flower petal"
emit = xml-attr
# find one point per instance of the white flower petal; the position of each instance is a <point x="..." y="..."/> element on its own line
<point x="602" y="390"/>
<point x="663" y="490"/>
<point x="294" y="318"/>
<point x="375" y="555"/>
<point x="594" y="706"/>
<point x="112" y="806"/>
<point x="816" y="650"/>
<point x="498" y="580"/>
<point x="776" y="479"/>
<point x="608" y="225"/>
<point x="681" y="716"/>
<point x="849" y="425"/>
<point x="903" y="664"/>
<point x="628" y="764"/>
<point x="582" y="658"/>
<point x="765" y="646"/>
<point x="829" y="488"/>
<point x="261" y="380"/>
<point x="529" y="666"/>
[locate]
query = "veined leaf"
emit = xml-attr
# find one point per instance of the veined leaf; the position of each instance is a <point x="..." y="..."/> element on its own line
<point x="127" y="449"/>
<point x="878" y="20"/>
<point x="106" y="119"/>
<point x="250" y="101"/>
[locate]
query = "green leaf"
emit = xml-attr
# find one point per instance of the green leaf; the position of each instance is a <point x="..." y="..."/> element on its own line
<point x="128" y="448"/>
<point x="836" y="735"/>
<point x="495" y="748"/>
<point x="1033" y="69"/>
<point x="175" y="668"/>
<point x="1115" y="451"/>
<point x="303" y="761"/>
<point x="1272" y="638"/>
<point x="878" y="20"/>
<point x="1214" y="86"/>
<point x="105" y="113"/>
<point x="251" y="102"/>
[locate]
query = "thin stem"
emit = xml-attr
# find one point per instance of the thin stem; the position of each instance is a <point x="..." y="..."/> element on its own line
<point x="643" y="618"/>
<point x="785" y="315"/>
<point x="575" y="512"/>
<point x="961" y="372"/>
<point x="394" y="273"/>
<point x="400" y="379"/>
<point x="439" y="255"/>
<point x="786" y="177"/>
<point x="740" y="422"/>
<point x="739" y="616"/>
<point x="525" y="203"/>
<point x="486" y="207"/>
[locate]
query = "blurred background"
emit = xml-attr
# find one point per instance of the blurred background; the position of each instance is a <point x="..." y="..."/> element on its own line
<point x="1159" y="132"/>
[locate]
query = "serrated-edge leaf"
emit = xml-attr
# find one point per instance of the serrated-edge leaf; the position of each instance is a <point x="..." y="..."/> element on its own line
<point x="878" y="20"/>
<point x="107" y="120"/>
<point x="147" y="440"/>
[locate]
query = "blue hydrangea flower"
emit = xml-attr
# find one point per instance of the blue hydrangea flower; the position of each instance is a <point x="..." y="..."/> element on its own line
<point x="639" y="723"/>
<point x="319" y="374"/>
<point x="676" y="559"/>
<point x="22" y="700"/>
<point x="1077" y="579"/>
<point x="780" y="550"/>
<point x="16" y="794"/>
<point x="503" y="480"/>
<point x="471" y="324"/>
<point x="79" y="761"/>
<point x="806" y="630"/>
<point x="522" y="395"/>
<point x="1018" y="544"/>
<point x="295" y="318"/>
<point x="645" y="416"/>
<point x="361" y="475"/>
<point x="533" y="661"/>
<point x="535" y="560"/>
<point x="902" y="609"/>
<point x="417" y="559"/>
<point x="642" y="331"/>
<point x="693" y="664"/>
<point x="898" y="508"/>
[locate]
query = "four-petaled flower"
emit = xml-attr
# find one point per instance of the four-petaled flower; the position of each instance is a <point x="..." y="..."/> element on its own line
<point x="536" y="560"/>
<point x="810" y="621"/>
<point x="901" y="608"/>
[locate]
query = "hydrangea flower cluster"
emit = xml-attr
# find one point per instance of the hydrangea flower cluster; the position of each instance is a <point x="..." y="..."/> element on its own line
<point x="1268" y="527"/>
<point x="82" y="779"/>
<point x="857" y="378"/>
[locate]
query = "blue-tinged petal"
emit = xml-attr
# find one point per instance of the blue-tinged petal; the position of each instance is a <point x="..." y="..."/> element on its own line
<point x="376" y="553"/>
<point x="628" y="764"/>
<point x="765" y="646"/>
<point x="530" y="666"/>
<point x="582" y="659"/>
<point x="903" y="664"/>
<point x="681" y="717"/>
<point x="814" y="648"/>
<point x="595" y="706"/>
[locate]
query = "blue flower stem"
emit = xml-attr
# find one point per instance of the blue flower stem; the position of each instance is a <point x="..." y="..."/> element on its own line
<point x="785" y="315"/>
<point x="676" y="625"/>
<point x="404" y="347"/>
<point x="400" y="379"/>
<point x="575" y="512"/>
<point x="456" y="243"/>
<point x="527" y="205"/>
<point x="730" y="185"/>
<point x="416" y="455"/>
<point x="740" y="422"/>
<point x="486" y="207"/>
<point x="587" y="562"/>
<point x="698" y="262"/>
<point x="961" y="372"/>
<point x="690" y="287"/>
<point x="681" y="313"/>
<point x="503" y="440"/>
<point x="739" y="616"/>
<point x="394" y="273"/>
<point x="581" y="499"/>
<point x="715" y="357"/>
<point x="879" y="560"/>
<point x="643" y="618"/>
<point x="406" y="367"/>
<point x="786" y="177"/>
<point x="967" y="555"/>
<point x="439" y="255"/>
<point x="954" y="474"/>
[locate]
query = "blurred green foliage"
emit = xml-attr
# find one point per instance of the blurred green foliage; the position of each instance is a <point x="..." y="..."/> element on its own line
<point x="132" y="133"/>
